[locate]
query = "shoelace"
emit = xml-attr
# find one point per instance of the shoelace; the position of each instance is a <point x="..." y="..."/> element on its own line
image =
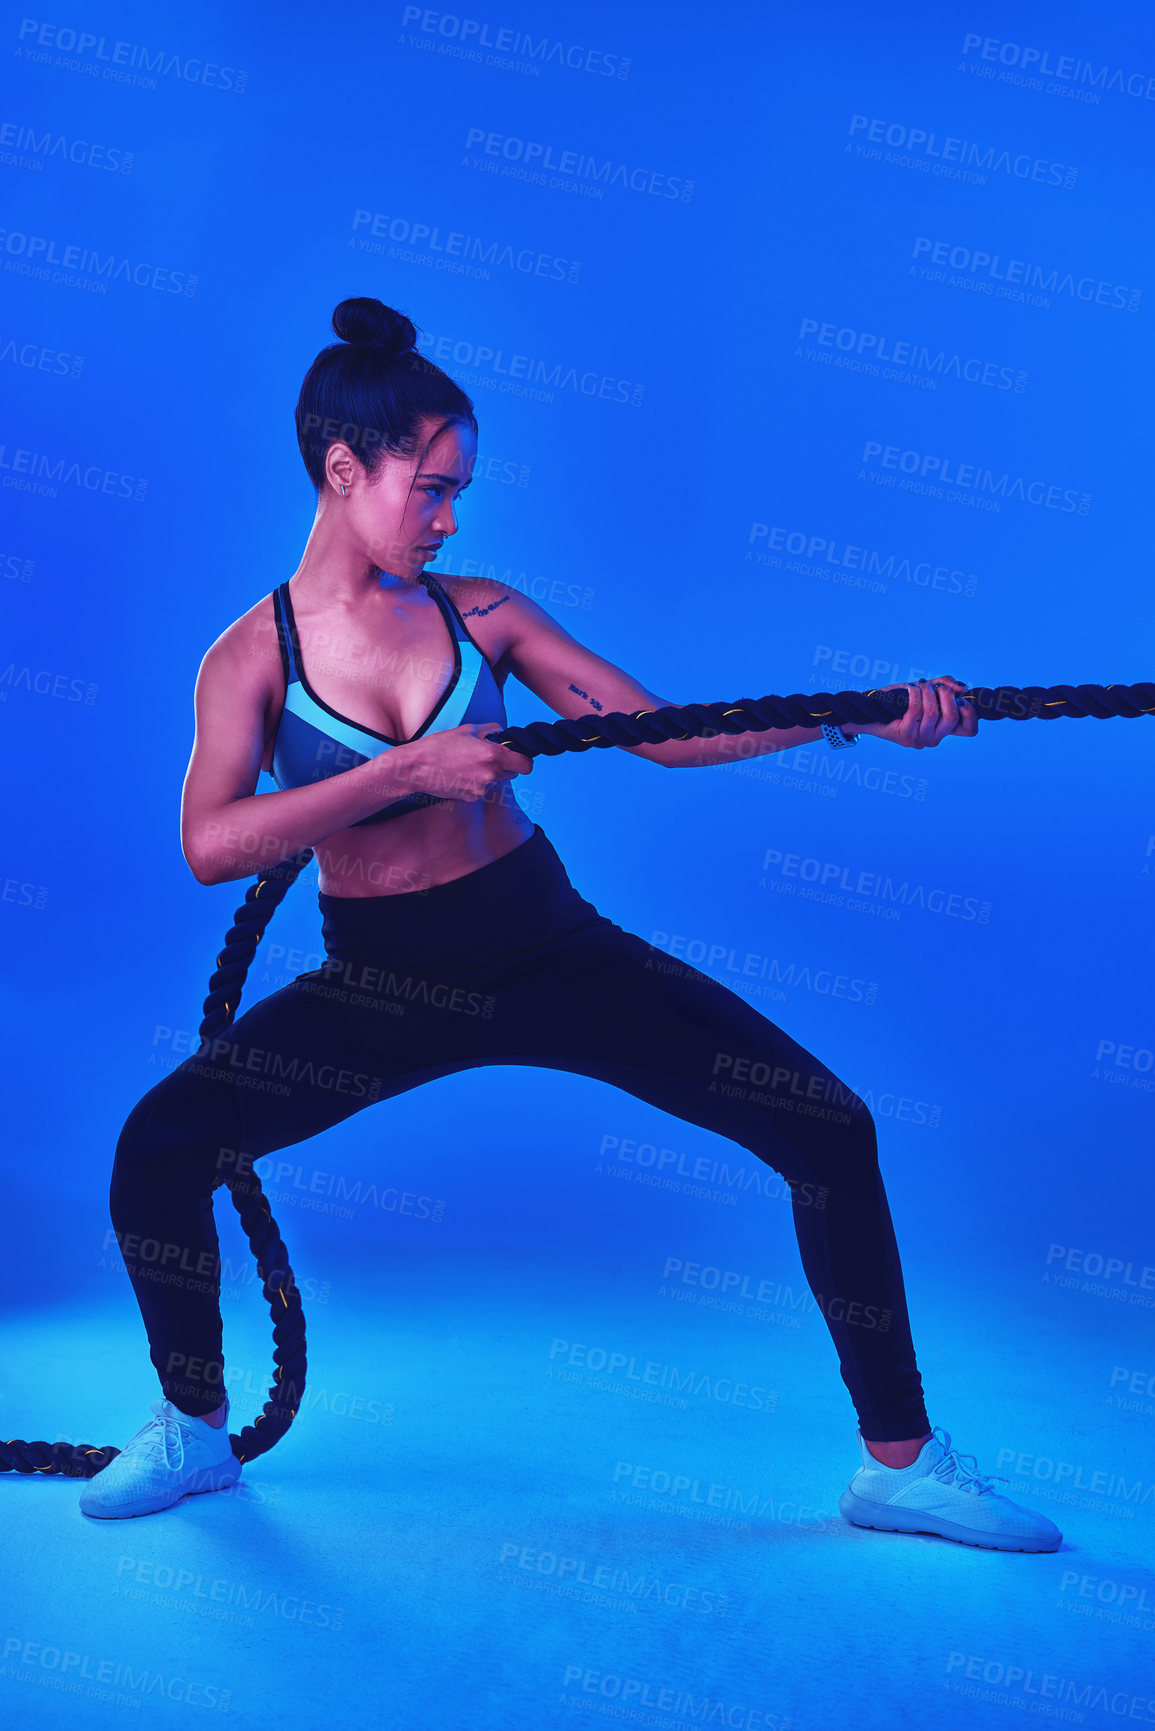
<point x="165" y="1436"/>
<point x="962" y="1468"/>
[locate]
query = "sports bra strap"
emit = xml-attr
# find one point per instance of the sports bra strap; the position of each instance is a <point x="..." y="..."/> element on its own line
<point x="282" y="607"/>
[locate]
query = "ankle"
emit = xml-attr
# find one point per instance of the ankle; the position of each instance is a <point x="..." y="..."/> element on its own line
<point x="898" y="1454"/>
<point x="216" y="1418"/>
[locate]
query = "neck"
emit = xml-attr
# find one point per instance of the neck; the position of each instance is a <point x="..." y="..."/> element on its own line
<point x="334" y="572"/>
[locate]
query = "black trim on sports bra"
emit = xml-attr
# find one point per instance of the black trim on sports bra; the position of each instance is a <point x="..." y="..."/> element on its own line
<point x="360" y="725"/>
<point x="279" y="616"/>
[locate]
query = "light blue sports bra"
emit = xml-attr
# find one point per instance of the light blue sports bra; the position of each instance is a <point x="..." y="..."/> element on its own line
<point x="313" y="742"/>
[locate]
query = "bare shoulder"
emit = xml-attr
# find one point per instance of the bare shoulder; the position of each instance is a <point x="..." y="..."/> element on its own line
<point x="250" y="639"/>
<point x="497" y="614"/>
<point x="248" y="651"/>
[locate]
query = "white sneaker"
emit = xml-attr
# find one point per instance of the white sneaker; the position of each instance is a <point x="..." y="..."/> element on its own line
<point x="943" y="1492"/>
<point x="172" y="1456"/>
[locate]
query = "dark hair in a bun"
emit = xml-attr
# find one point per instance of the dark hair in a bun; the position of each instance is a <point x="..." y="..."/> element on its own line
<point x="371" y="322"/>
<point x="372" y="389"/>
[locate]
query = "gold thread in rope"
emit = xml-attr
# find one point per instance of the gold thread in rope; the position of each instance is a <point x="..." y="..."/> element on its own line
<point x="284" y="1300"/>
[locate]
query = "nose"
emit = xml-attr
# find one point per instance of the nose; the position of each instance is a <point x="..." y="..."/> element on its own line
<point x="444" y="520"/>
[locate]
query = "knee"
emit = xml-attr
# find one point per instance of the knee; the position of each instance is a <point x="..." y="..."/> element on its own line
<point x="180" y="1130"/>
<point x="841" y="1144"/>
<point x="860" y="1129"/>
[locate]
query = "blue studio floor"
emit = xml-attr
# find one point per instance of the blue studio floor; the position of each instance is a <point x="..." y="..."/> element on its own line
<point x="466" y="1526"/>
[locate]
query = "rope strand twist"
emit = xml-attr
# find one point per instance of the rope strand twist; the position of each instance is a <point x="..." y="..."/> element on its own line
<point x="540" y="738"/>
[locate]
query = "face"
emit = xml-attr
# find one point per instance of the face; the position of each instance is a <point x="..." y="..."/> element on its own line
<point x="400" y="515"/>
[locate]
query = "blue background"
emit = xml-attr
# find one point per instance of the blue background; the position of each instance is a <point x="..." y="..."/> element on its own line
<point x="1006" y="1047"/>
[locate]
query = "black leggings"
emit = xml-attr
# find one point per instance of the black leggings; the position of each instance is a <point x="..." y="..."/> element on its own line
<point x="507" y="965"/>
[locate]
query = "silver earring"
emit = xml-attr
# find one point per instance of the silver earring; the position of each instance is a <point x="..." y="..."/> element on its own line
<point x="342" y="492"/>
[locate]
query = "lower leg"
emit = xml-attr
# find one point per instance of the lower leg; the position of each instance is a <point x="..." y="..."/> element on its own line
<point x="216" y="1419"/>
<point x="897" y="1454"/>
<point x="161" y="1204"/>
<point x="850" y="1256"/>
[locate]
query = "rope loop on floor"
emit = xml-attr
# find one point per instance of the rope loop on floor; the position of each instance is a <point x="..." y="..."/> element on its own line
<point x="549" y="738"/>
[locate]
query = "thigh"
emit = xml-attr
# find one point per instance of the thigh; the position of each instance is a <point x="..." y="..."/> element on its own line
<point x="305" y="1058"/>
<point x="614" y="1008"/>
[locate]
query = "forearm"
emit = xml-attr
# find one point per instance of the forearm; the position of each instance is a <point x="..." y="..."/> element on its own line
<point x="247" y="834"/>
<point x="726" y="747"/>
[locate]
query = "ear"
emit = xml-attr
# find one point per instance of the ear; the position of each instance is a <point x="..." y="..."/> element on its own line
<point x="340" y="467"/>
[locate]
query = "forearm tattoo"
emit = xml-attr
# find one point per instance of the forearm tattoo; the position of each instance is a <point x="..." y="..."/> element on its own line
<point x="586" y="696"/>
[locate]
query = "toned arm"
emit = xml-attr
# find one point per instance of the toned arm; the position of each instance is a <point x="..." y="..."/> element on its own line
<point x="575" y="681"/>
<point x="228" y="831"/>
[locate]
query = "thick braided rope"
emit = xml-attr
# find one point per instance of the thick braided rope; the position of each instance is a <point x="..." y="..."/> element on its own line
<point x="85" y="1460"/>
<point x="758" y="714"/>
<point x="263" y="897"/>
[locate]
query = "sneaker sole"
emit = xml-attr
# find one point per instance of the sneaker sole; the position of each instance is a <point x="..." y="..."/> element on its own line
<point x="217" y="1478"/>
<point x="885" y="1518"/>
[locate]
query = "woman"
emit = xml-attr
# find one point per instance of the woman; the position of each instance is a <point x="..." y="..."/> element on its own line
<point x="454" y="936"/>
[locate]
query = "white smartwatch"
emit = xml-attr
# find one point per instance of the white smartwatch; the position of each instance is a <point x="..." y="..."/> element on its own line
<point x="836" y="738"/>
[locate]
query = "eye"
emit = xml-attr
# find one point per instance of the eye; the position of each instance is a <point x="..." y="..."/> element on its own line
<point x="435" y="489"/>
